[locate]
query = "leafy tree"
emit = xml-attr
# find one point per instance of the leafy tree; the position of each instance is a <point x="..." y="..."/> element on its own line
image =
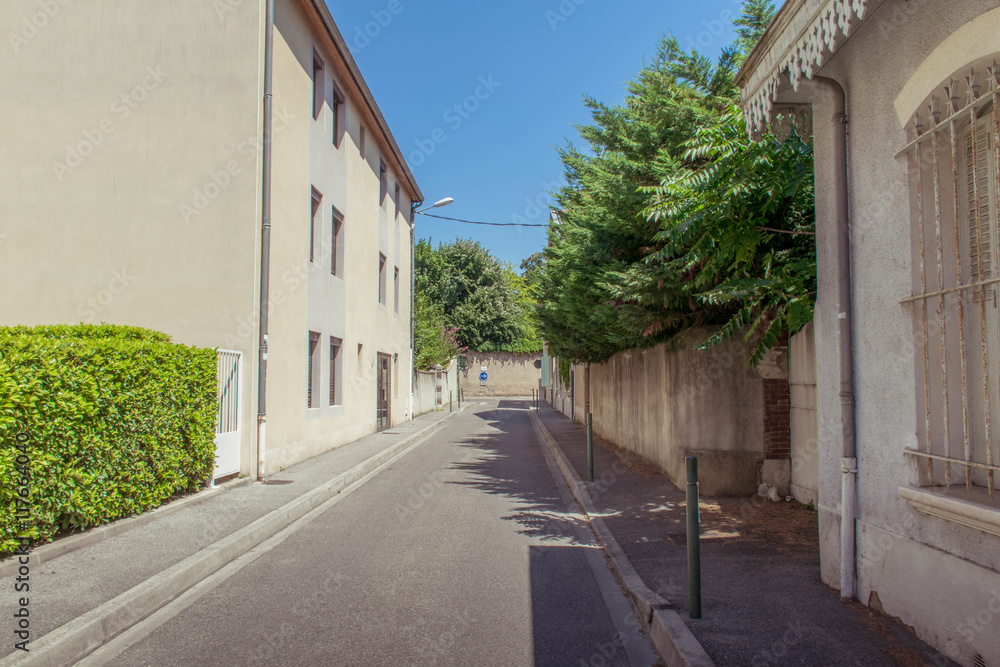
<point x="488" y="304"/>
<point x="676" y="218"/>
<point x="435" y="341"/>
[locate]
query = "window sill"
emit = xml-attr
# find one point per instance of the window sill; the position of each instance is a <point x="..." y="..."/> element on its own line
<point x="974" y="508"/>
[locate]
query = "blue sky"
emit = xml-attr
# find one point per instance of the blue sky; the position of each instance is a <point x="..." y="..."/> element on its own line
<point x="529" y="62"/>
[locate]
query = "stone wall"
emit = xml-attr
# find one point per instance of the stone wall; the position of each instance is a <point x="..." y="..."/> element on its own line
<point x="509" y="374"/>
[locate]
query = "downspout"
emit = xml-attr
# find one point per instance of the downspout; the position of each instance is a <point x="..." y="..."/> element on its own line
<point x="413" y="291"/>
<point x="265" y="239"/>
<point x="849" y="453"/>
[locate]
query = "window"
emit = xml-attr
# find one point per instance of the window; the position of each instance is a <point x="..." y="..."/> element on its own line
<point x="337" y="244"/>
<point x="395" y="199"/>
<point x="395" y="287"/>
<point x="953" y="163"/>
<point x="383" y="181"/>
<point x="339" y="116"/>
<point x="381" y="279"/>
<point x="318" y="80"/>
<point x="312" y="390"/>
<point x="361" y="142"/>
<point x="315" y="223"/>
<point x="335" y="345"/>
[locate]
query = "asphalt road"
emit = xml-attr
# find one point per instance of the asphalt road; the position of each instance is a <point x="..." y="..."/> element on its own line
<point x="466" y="551"/>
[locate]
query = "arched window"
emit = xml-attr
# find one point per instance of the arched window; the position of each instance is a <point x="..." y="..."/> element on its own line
<point x="953" y="161"/>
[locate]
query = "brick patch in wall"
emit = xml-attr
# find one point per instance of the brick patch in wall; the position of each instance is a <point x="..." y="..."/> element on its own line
<point x="777" y="427"/>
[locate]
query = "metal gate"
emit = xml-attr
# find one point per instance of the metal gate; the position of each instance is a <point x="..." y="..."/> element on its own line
<point x="228" y="435"/>
<point x="382" y="402"/>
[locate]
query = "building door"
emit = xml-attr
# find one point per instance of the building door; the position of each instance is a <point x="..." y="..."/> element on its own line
<point x="228" y="435"/>
<point x="382" y="396"/>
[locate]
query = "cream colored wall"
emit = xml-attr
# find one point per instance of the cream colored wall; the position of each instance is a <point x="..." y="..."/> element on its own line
<point x="673" y="401"/>
<point x="129" y="169"/>
<point x="804" y="443"/>
<point x="508" y="374"/>
<point x="312" y="299"/>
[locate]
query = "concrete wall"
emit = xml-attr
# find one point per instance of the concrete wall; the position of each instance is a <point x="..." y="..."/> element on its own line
<point x="509" y="374"/>
<point x="426" y="396"/>
<point x="936" y="575"/>
<point x="131" y="182"/>
<point x="129" y="170"/>
<point x="804" y="437"/>
<point x="312" y="299"/>
<point x="673" y="401"/>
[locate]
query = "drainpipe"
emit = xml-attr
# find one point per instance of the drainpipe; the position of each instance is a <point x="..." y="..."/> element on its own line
<point x="849" y="454"/>
<point x="413" y="290"/>
<point x="265" y="240"/>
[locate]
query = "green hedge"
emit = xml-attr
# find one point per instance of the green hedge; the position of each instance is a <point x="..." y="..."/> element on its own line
<point x="119" y="419"/>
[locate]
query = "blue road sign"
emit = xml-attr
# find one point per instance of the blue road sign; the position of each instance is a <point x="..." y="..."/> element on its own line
<point x="483" y="377"/>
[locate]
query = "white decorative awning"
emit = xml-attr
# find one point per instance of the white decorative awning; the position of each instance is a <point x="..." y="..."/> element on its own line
<point x="802" y="37"/>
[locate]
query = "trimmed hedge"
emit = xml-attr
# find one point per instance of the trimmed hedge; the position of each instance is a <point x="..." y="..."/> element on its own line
<point x="118" y="419"/>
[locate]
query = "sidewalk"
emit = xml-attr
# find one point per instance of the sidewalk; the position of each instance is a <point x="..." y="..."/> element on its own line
<point x="763" y="602"/>
<point x="154" y="562"/>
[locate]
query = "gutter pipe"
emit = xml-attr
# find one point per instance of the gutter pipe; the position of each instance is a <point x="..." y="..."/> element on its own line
<point x="849" y="453"/>
<point x="265" y="239"/>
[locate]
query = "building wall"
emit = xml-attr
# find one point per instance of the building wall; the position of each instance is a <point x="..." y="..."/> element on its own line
<point x="673" y="401"/>
<point x="509" y="374"/>
<point x="129" y="169"/>
<point x="311" y="298"/>
<point x="804" y="485"/>
<point x="426" y="396"/>
<point x="933" y="574"/>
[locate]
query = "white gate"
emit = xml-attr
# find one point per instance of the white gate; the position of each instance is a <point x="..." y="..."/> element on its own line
<point x="228" y="435"/>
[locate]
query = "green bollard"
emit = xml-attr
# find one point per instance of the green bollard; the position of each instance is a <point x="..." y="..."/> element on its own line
<point x="693" y="539"/>
<point x="590" y="447"/>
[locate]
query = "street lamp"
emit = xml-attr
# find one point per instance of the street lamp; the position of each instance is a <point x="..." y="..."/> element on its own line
<point x="413" y="289"/>
<point x="439" y="204"/>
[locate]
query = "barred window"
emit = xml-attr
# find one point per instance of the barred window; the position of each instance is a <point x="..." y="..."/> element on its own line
<point x="953" y="159"/>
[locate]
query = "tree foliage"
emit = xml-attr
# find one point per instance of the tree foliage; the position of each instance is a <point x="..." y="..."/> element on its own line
<point x="674" y="218"/>
<point x="487" y="305"/>
<point x="435" y="340"/>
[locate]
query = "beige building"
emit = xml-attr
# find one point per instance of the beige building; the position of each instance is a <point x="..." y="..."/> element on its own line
<point x="139" y="164"/>
<point x="901" y="100"/>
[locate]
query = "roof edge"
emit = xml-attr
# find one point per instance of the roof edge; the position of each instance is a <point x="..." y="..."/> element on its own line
<point x="352" y="66"/>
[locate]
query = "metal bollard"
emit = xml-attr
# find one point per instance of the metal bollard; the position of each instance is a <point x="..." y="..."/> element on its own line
<point x="590" y="447"/>
<point x="450" y="397"/>
<point x="459" y="398"/>
<point x="693" y="538"/>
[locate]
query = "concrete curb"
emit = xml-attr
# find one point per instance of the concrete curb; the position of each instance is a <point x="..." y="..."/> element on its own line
<point x="74" y="640"/>
<point x="671" y="638"/>
<point x="46" y="552"/>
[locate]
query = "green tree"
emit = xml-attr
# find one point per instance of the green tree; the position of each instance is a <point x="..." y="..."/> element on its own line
<point x="435" y="341"/>
<point x="487" y="303"/>
<point x="676" y="219"/>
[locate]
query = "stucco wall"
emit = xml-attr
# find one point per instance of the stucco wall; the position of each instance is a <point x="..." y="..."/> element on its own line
<point x="509" y="374"/>
<point x="312" y="299"/>
<point x="425" y="397"/>
<point x="130" y="176"/>
<point x="804" y="442"/>
<point x="931" y="573"/>
<point x="673" y="401"/>
<point x="129" y="170"/>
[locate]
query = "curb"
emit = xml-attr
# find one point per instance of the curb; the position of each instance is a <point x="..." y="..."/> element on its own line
<point x="74" y="640"/>
<point x="46" y="552"/>
<point x="671" y="638"/>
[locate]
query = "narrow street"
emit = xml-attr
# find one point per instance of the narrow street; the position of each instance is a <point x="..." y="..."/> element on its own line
<point x="463" y="552"/>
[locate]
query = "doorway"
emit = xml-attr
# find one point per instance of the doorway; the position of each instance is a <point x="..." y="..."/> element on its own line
<point x="382" y="416"/>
